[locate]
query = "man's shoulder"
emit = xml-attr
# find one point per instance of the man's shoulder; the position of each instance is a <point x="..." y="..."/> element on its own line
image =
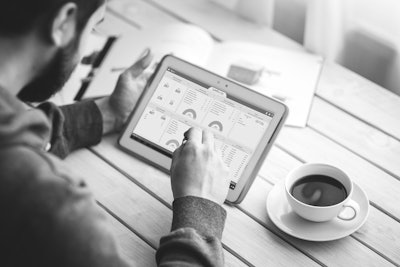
<point x="20" y="160"/>
<point x="24" y="166"/>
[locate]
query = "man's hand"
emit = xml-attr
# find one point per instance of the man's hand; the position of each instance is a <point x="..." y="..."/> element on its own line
<point x="116" y="108"/>
<point x="197" y="169"/>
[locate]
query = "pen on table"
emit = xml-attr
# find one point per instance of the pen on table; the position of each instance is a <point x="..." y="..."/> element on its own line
<point x="118" y="69"/>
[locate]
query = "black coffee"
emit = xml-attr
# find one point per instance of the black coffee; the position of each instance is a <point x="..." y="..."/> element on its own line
<point x="319" y="190"/>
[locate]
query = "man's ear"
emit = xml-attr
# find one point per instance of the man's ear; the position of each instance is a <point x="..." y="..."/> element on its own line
<point x="64" y="24"/>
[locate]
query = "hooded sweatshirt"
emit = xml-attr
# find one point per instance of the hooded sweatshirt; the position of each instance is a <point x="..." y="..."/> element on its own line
<point x="48" y="215"/>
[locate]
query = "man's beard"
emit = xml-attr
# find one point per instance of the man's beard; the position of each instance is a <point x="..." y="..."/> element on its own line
<point x="53" y="78"/>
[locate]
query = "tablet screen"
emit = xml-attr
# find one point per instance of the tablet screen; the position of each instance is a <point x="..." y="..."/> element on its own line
<point x="180" y="102"/>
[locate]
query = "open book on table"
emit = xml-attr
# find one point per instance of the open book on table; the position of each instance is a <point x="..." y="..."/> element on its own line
<point x="289" y="76"/>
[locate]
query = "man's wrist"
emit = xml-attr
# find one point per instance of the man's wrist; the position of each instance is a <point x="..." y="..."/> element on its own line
<point x="108" y="116"/>
<point x="203" y="215"/>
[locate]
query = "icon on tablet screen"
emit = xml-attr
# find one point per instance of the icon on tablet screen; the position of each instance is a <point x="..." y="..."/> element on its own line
<point x="172" y="144"/>
<point x="217" y="125"/>
<point x="190" y="113"/>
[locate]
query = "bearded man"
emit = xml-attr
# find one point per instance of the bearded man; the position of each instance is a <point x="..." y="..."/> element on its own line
<point x="49" y="217"/>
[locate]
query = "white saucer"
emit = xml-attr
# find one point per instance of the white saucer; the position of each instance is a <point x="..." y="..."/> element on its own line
<point x="282" y="215"/>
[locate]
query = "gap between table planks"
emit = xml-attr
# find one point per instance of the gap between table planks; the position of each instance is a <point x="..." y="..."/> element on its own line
<point x="362" y="139"/>
<point x="131" y="247"/>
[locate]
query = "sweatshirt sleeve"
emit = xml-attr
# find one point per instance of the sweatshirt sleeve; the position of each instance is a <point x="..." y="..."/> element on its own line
<point x="73" y="126"/>
<point x="195" y="238"/>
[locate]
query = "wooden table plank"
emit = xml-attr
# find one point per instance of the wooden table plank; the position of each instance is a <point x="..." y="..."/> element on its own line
<point x="134" y="249"/>
<point x="382" y="189"/>
<point x="243" y="235"/>
<point x="144" y="214"/>
<point x="142" y="211"/>
<point x="380" y="232"/>
<point x="361" y="98"/>
<point x="343" y="88"/>
<point x="368" y="142"/>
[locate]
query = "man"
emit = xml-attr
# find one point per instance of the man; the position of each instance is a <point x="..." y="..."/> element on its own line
<point x="48" y="216"/>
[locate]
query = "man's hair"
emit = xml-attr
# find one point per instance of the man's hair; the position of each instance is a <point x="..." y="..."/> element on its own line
<point x="18" y="17"/>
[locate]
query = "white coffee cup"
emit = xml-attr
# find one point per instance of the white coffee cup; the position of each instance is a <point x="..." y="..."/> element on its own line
<point x="346" y="210"/>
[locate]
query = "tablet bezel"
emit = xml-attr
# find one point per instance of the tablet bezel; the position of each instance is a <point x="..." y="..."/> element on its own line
<point x="249" y="96"/>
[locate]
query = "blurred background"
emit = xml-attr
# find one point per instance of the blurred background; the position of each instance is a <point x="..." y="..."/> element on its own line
<point x="361" y="35"/>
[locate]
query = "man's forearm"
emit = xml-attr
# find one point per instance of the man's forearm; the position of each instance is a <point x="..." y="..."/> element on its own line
<point x="195" y="238"/>
<point x="73" y="126"/>
<point x="111" y="122"/>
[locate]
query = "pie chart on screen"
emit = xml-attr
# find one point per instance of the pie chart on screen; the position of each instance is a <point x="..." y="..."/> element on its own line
<point x="172" y="144"/>
<point x="190" y="113"/>
<point x="216" y="125"/>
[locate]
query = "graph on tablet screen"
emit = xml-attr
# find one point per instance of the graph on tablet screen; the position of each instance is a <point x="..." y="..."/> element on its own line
<point x="180" y="102"/>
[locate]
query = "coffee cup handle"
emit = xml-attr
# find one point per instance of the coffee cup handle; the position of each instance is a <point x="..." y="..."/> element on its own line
<point x="349" y="205"/>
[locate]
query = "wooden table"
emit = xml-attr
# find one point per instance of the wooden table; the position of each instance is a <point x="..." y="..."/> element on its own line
<point x="354" y="124"/>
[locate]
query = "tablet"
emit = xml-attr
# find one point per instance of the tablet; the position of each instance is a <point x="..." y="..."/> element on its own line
<point x="181" y="95"/>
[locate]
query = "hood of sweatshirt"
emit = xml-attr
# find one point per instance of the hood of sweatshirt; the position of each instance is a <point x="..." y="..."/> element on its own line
<point x="21" y="126"/>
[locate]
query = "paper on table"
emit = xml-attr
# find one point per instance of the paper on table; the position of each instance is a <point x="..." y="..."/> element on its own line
<point x="291" y="77"/>
<point x="288" y="76"/>
<point x="183" y="40"/>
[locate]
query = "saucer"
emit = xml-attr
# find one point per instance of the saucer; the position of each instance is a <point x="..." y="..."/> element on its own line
<point x="282" y="215"/>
